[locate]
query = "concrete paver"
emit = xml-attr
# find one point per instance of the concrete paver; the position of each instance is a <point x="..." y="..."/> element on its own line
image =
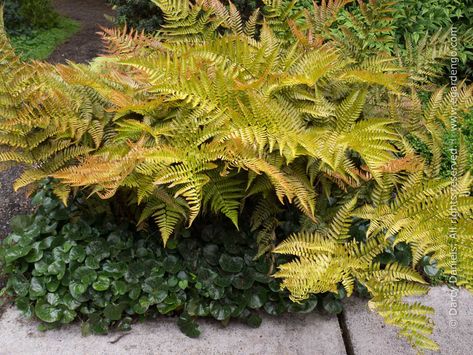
<point x="453" y="325"/>
<point x="312" y="334"/>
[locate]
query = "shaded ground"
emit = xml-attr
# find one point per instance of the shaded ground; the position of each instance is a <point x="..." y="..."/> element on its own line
<point x="11" y="203"/>
<point x="85" y="44"/>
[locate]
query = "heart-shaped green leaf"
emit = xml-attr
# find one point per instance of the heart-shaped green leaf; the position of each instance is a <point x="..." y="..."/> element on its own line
<point x="231" y="263"/>
<point x="47" y="313"/>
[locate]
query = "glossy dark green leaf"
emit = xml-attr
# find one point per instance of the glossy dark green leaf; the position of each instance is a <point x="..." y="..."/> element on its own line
<point x="114" y="311"/>
<point x="68" y="316"/>
<point x="182" y="275"/>
<point x="206" y="276"/>
<point x="35" y="254"/>
<point x="85" y="275"/>
<point x="77" y="289"/>
<point x="19" y="224"/>
<point x="275" y="285"/>
<point x="172" y="281"/>
<point x="171" y="264"/>
<point x="101" y="284"/>
<point x="274" y="308"/>
<point x="37" y="287"/>
<point x="20" y="284"/>
<point x="135" y="271"/>
<point x="254" y="321"/>
<point x="70" y="302"/>
<point x="158" y="296"/>
<point x="231" y="263"/>
<point x="16" y="252"/>
<point x="97" y="324"/>
<point x="139" y="308"/>
<point x="115" y="270"/>
<point x="124" y="325"/>
<point x="224" y="280"/>
<point x="53" y="284"/>
<point x="196" y="307"/>
<point x="257" y="297"/>
<point x="46" y="243"/>
<point x="165" y="308"/>
<point x="92" y="262"/>
<point x="188" y="326"/>
<point x="305" y="306"/>
<point x="47" y="313"/>
<point x="262" y="265"/>
<point x="77" y="253"/>
<point x="332" y="305"/>
<point x="135" y="292"/>
<point x="431" y="270"/>
<point x="67" y="246"/>
<point x="153" y="284"/>
<point x="239" y="305"/>
<point x="243" y="281"/>
<point x="98" y="249"/>
<point x="58" y="268"/>
<point x="211" y="253"/>
<point x="262" y="278"/>
<point x="41" y="267"/>
<point x="25" y="306"/>
<point x="119" y="287"/>
<point x="38" y="197"/>
<point x="215" y="292"/>
<point x="53" y="299"/>
<point x="220" y="311"/>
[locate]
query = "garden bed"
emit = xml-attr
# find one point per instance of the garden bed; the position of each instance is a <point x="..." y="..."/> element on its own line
<point x="227" y="169"/>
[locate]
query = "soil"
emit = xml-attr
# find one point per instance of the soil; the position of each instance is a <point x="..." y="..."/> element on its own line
<point x="12" y="203"/>
<point x="85" y="44"/>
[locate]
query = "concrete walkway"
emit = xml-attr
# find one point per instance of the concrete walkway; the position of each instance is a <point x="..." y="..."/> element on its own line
<point x="311" y="334"/>
<point x="453" y="325"/>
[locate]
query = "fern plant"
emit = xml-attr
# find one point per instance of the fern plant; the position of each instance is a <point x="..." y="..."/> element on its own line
<point x="419" y="215"/>
<point x="208" y="121"/>
<point x="216" y="115"/>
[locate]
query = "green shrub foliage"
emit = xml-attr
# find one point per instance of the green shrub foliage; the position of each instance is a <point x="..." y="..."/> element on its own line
<point x="144" y="15"/>
<point x="24" y="16"/>
<point x="76" y="262"/>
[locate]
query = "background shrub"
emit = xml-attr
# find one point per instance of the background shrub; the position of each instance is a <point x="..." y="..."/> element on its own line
<point x="138" y="14"/>
<point x="39" y="44"/>
<point x="418" y="18"/>
<point x="145" y="15"/>
<point x="24" y="16"/>
<point x="407" y="17"/>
